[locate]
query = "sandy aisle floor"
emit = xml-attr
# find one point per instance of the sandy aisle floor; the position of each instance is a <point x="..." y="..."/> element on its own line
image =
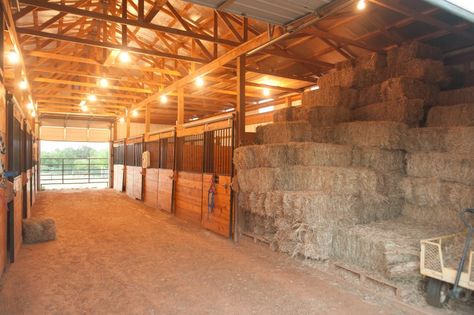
<point x="113" y="255"/>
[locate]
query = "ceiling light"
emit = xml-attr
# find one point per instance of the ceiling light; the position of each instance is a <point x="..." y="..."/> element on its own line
<point x="134" y="113"/>
<point x="314" y="88"/>
<point x="84" y="108"/>
<point x="164" y="99"/>
<point x="23" y="85"/>
<point x="193" y="118"/>
<point x="199" y="82"/>
<point x="82" y="103"/>
<point x="124" y="56"/>
<point x="361" y="5"/>
<point x="266" y="92"/>
<point x="92" y="97"/>
<point x="266" y="109"/>
<point x="103" y="83"/>
<point x="121" y="120"/>
<point x="30" y="105"/>
<point x="13" y="57"/>
<point x="266" y="100"/>
<point x="33" y="114"/>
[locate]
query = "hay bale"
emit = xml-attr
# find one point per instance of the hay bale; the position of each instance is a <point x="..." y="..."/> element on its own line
<point x="410" y="112"/>
<point x="323" y="134"/>
<point x="333" y="96"/>
<point x="369" y="95"/>
<point x="351" y="77"/>
<point x="385" y="161"/>
<point x="385" y="135"/>
<point x="412" y="50"/>
<point x="372" y="61"/>
<point x="37" y="230"/>
<point x="458" y="96"/>
<point x="293" y="113"/>
<point x="320" y="154"/>
<point x="440" y="139"/>
<point x="324" y="116"/>
<point x="457" y="168"/>
<point x="408" y="88"/>
<point x="265" y="155"/>
<point x="283" y="132"/>
<point x="431" y="71"/>
<point x="449" y="116"/>
<point x="256" y="179"/>
<point x="259" y="225"/>
<point x="434" y="215"/>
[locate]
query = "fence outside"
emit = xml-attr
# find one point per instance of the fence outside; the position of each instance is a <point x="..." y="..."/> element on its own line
<point x="74" y="171"/>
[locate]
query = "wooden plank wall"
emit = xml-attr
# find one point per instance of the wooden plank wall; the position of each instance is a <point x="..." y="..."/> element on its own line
<point x="134" y="182"/>
<point x="151" y="187"/>
<point x="165" y="189"/>
<point x="118" y="177"/>
<point x="188" y="196"/>
<point x="18" y="213"/>
<point x="217" y="220"/>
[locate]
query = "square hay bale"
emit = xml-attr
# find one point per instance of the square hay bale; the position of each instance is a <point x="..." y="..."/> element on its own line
<point x="440" y="139"/>
<point x="264" y="155"/>
<point x="408" y="88"/>
<point x="333" y="96"/>
<point x="256" y="179"/>
<point x="283" y="132"/>
<point x="371" y="61"/>
<point x="388" y="247"/>
<point x="351" y="77"/>
<point x="449" y="116"/>
<point x="458" y="96"/>
<point x="323" y="134"/>
<point x="412" y="50"/>
<point x="324" y="116"/>
<point x="427" y="70"/>
<point x="37" y="230"/>
<point x="259" y="225"/>
<point x="369" y="95"/>
<point x="320" y="154"/>
<point x="269" y="204"/>
<point x="385" y="161"/>
<point x="433" y="201"/>
<point x="293" y="113"/>
<point x="383" y="134"/>
<point x="457" y="168"/>
<point x="410" y="112"/>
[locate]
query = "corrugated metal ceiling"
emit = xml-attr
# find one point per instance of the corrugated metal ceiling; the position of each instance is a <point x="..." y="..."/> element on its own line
<point x="280" y="12"/>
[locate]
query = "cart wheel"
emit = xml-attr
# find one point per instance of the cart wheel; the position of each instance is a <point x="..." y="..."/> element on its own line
<point x="437" y="292"/>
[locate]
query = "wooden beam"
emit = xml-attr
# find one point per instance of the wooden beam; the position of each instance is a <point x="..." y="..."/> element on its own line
<point x="180" y="118"/>
<point x="147" y="118"/>
<point x="91" y="85"/>
<point x="240" y="100"/>
<point x="222" y="60"/>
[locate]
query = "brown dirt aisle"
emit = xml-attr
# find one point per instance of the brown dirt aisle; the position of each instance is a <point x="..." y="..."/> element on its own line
<point x="114" y="255"/>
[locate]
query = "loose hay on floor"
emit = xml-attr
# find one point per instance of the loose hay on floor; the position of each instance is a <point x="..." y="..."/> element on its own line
<point x="37" y="230"/>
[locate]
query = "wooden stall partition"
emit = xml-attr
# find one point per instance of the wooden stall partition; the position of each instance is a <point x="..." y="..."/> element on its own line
<point x="28" y="193"/>
<point x="18" y="213"/>
<point x="137" y="183"/>
<point x="188" y="196"/>
<point x="165" y="189"/>
<point x="129" y="170"/>
<point x="150" y="195"/>
<point x="118" y="177"/>
<point x="119" y="165"/>
<point x="216" y="217"/>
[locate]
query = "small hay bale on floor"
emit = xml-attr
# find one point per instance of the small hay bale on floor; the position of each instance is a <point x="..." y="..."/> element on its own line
<point x="458" y="96"/>
<point x="37" y="230"/>
<point x="449" y="116"/>
<point x="381" y="134"/>
<point x="410" y="112"/>
<point x="440" y="139"/>
<point x="457" y="168"/>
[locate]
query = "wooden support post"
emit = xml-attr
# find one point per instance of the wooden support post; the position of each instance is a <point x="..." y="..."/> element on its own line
<point x="288" y="101"/>
<point x="147" y="119"/>
<point x="127" y="134"/>
<point x="180" y="120"/>
<point x="216" y="33"/>
<point x="124" y="27"/>
<point x="114" y="135"/>
<point x="141" y="9"/>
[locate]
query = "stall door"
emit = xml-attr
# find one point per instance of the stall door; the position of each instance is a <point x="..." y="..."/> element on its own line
<point x="216" y="204"/>
<point x="119" y="154"/>
<point x="166" y="174"/>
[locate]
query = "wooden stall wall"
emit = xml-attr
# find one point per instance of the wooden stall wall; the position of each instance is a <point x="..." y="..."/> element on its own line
<point x="18" y="213"/>
<point x="217" y="218"/>
<point x="118" y="168"/>
<point x="3" y="161"/>
<point x="151" y="175"/>
<point x="166" y="174"/>
<point x="134" y="178"/>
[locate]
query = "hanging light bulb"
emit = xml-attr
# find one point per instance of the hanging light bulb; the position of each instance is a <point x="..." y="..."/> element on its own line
<point x="92" y="97"/>
<point x="23" y="85"/>
<point x="33" y="114"/>
<point x="266" y="92"/>
<point x="199" y="82"/>
<point x="164" y="99"/>
<point x="103" y="83"/>
<point x="361" y="5"/>
<point x="82" y="103"/>
<point x="121" y="120"/>
<point x="134" y="113"/>
<point x="30" y="106"/>
<point x="124" y="56"/>
<point x="13" y="57"/>
<point x="84" y="108"/>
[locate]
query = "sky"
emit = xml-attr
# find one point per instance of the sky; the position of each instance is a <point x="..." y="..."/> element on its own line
<point x="48" y="146"/>
<point x="466" y="4"/>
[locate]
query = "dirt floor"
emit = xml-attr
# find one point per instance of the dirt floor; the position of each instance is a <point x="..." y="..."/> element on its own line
<point x="113" y="255"/>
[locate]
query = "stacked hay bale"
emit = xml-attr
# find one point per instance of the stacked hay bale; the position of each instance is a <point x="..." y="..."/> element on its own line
<point x="455" y="108"/>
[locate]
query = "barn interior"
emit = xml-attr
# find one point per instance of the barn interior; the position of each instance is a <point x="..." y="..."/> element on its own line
<point x="267" y="157"/>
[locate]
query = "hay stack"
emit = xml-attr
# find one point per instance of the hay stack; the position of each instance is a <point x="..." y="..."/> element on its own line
<point x="323" y="134"/>
<point x="334" y="96"/>
<point x="324" y="116"/>
<point x="284" y="132"/>
<point x="440" y="139"/>
<point x="37" y="230"/>
<point x="385" y="161"/>
<point x="383" y="134"/>
<point x="412" y="50"/>
<point x="445" y="166"/>
<point x="458" y="96"/>
<point x="290" y="114"/>
<point x="449" y="116"/>
<point x="405" y="111"/>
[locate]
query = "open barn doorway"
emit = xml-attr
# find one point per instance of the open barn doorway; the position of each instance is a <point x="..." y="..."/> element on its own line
<point x="74" y="165"/>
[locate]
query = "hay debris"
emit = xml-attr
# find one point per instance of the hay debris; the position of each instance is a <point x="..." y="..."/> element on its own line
<point x="37" y="230"/>
<point x="333" y="96"/>
<point x="284" y="132"/>
<point x="383" y="134"/>
<point x="440" y="139"/>
<point x="445" y="166"/>
<point x="449" y="116"/>
<point x="458" y="96"/>
<point x="410" y="112"/>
